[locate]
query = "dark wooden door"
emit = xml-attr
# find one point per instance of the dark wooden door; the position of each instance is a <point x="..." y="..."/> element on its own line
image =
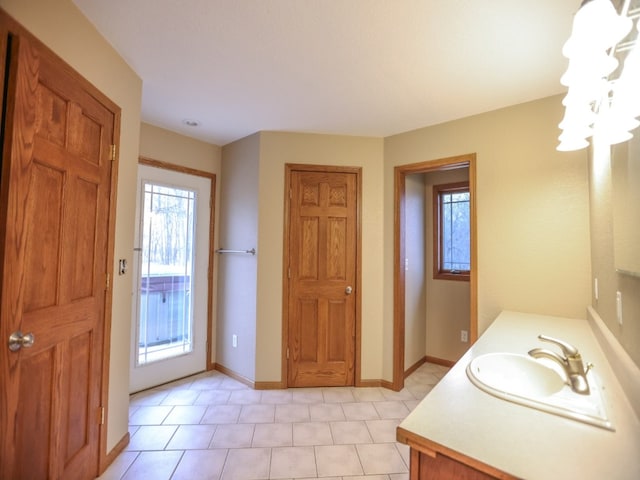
<point x="322" y="268"/>
<point x="56" y="197"/>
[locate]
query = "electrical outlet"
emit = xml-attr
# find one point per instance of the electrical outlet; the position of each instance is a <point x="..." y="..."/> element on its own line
<point x="234" y="340"/>
<point x="619" y="307"/>
<point x="464" y="336"/>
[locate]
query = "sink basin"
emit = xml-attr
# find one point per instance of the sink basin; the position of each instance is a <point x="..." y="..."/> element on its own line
<point x="526" y="381"/>
<point x="516" y="374"/>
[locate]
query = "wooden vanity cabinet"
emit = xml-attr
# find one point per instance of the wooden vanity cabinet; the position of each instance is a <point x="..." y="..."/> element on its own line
<point x="432" y="462"/>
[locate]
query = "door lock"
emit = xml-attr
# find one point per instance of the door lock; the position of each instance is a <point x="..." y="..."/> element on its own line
<point x="348" y="290"/>
<point x="17" y="340"/>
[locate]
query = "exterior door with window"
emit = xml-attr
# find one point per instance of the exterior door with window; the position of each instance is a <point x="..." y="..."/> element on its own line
<point x="322" y="268"/>
<point x="171" y="265"/>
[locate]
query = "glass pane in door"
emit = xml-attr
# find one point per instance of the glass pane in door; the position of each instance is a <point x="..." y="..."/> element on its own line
<point x="165" y="313"/>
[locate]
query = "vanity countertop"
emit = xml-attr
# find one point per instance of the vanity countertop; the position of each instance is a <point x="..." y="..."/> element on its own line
<point x="460" y="420"/>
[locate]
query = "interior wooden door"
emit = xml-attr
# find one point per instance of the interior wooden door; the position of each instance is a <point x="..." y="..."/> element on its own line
<point x="322" y="278"/>
<point x="55" y="213"/>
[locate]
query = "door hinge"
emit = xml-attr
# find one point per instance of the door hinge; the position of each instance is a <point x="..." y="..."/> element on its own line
<point x="107" y="281"/>
<point x="101" y="416"/>
<point x="112" y="154"/>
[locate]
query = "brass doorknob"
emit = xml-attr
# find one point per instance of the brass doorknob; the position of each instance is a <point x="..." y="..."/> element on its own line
<point x="348" y="290"/>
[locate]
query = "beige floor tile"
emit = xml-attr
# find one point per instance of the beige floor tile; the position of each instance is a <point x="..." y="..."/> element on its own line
<point x="391" y="409"/>
<point x="324" y="412"/>
<point x="276" y="396"/>
<point x="201" y="465"/>
<point x="381" y="458"/>
<point x="337" y="460"/>
<point x="257" y="414"/>
<point x="272" y="435"/>
<point x="350" y="432"/>
<point x="222" y="414"/>
<point x="153" y="465"/>
<point x="373" y="394"/>
<point x="151" y="437"/>
<point x="207" y="382"/>
<point x="399" y="476"/>
<point x="119" y="466"/>
<point x="307" y="395"/>
<point x="292" y="413"/>
<point x="231" y="384"/>
<point x="237" y="435"/>
<point x="368" y="477"/>
<point x="148" y="397"/>
<point x="181" y="397"/>
<point x="312" y="433"/>
<point x="337" y="395"/>
<point x="247" y="464"/>
<point x="360" y="411"/>
<point x="184" y="415"/>
<point x="403" y="394"/>
<point x="191" y="437"/>
<point x="148" y="415"/>
<point x="383" y="431"/>
<point x="244" y="397"/>
<point x="213" y="397"/>
<point x="293" y="462"/>
<point x="411" y="404"/>
<point x="405" y="453"/>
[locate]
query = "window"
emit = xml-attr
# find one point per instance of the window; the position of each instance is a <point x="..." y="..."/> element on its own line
<point x="451" y="218"/>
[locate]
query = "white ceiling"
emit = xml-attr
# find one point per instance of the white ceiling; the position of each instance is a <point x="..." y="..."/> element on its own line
<point x="353" y="67"/>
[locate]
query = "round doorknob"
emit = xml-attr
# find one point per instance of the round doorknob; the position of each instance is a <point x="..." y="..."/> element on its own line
<point x="348" y="290"/>
<point x="17" y="340"/>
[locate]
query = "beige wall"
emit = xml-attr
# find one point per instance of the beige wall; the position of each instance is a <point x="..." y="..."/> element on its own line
<point x="416" y="272"/>
<point x="448" y="301"/>
<point x="62" y="27"/>
<point x="237" y="278"/>
<point x="603" y="259"/>
<point x="532" y="210"/>
<point x="167" y="146"/>
<point x="277" y="149"/>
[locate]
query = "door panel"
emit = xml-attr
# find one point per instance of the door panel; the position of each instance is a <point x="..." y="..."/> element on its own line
<point x="56" y="196"/>
<point x="322" y="261"/>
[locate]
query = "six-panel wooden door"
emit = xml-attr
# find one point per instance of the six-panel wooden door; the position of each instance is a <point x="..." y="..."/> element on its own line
<point x="56" y="196"/>
<point x="322" y="278"/>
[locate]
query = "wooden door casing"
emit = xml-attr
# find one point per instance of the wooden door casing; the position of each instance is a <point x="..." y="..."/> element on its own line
<point x="322" y="265"/>
<point x="57" y="200"/>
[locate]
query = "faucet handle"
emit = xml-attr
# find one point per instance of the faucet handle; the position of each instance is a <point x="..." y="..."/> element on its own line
<point x="568" y="349"/>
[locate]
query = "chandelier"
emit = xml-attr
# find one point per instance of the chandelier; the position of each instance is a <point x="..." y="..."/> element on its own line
<point x="603" y="76"/>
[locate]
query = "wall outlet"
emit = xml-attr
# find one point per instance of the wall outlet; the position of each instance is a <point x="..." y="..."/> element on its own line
<point x="464" y="336"/>
<point x="619" y="307"/>
<point x="234" y="340"/>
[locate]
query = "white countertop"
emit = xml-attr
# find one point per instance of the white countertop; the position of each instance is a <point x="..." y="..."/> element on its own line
<point x="522" y="441"/>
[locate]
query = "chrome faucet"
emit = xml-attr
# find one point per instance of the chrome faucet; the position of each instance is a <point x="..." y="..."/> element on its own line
<point x="571" y="363"/>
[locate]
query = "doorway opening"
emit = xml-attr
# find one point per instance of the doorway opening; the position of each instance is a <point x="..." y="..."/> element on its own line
<point x="403" y="175"/>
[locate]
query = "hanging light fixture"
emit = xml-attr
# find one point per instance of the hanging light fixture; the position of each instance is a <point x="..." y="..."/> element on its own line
<point x="594" y="103"/>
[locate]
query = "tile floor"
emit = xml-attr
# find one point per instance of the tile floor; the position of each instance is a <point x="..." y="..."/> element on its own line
<point x="210" y="426"/>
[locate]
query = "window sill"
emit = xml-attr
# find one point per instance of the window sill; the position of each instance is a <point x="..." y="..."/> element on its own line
<point x="460" y="277"/>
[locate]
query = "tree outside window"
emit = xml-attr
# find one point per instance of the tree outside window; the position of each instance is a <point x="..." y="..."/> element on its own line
<point x="452" y="240"/>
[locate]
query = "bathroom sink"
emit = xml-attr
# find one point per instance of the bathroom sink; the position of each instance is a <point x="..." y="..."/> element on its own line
<point x="526" y="381"/>
<point x="515" y="374"/>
